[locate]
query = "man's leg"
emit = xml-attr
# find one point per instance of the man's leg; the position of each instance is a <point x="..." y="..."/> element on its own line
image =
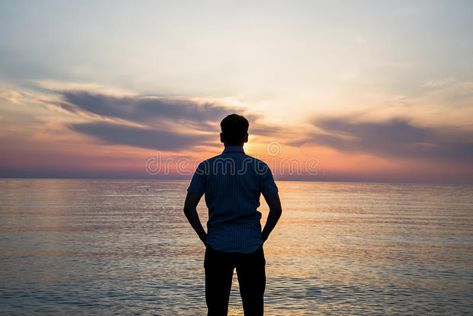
<point x="252" y="279"/>
<point x="218" y="281"/>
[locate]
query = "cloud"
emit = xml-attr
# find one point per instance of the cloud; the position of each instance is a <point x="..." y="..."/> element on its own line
<point x="439" y="83"/>
<point x="164" y="123"/>
<point x="144" y="109"/>
<point x="151" y="122"/>
<point x="396" y="137"/>
<point x="449" y="91"/>
<point x="139" y="137"/>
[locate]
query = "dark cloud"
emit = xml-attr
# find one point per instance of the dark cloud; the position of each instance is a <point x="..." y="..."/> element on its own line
<point x="155" y="114"/>
<point x="393" y="138"/>
<point x="160" y="118"/>
<point x="140" y="137"/>
<point x="144" y="109"/>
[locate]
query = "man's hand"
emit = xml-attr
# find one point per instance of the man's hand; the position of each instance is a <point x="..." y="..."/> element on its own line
<point x="275" y="211"/>
<point x="190" y="210"/>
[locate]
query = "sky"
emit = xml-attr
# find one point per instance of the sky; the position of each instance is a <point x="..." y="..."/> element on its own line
<point x="333" y="90"/>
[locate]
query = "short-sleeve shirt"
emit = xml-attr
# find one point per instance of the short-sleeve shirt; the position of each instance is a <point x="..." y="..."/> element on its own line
<point x="232" y="183"/>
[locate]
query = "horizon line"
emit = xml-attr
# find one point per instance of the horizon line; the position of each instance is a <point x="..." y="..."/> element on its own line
<point x="348" y="180"/>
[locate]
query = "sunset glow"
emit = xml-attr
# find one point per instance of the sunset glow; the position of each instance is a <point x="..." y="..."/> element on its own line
<point x="363" y="91"/>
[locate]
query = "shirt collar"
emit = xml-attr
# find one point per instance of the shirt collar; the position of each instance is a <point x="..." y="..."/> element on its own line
<point x="233" y="149"/>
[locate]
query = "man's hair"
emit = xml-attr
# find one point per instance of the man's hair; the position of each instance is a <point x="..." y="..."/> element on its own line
<point x="234" y="129"/>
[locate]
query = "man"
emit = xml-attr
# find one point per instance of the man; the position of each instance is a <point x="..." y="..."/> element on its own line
<point x="232" y="183"/>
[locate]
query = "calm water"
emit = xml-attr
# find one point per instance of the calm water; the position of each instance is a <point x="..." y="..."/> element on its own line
<point x="123" y="247"/>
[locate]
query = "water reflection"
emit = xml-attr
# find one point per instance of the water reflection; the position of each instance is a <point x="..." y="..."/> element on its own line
<point x="108" y="246"/>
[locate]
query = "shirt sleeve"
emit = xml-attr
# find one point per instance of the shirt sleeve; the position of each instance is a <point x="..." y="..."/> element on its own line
<point x="267" y="184"/>
<point x="198" y="182"/>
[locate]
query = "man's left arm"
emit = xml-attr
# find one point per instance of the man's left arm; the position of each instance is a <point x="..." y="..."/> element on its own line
<point x="190" y="210"/>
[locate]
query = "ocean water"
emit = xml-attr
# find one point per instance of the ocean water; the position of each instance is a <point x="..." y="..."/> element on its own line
<point x="124" y="247"/>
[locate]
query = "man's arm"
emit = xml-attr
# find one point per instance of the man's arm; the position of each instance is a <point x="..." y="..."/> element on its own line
<point x="275" y="211"/>
<point x="190" y="210"/>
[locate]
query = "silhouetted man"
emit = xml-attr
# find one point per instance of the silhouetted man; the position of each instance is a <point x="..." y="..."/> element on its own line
<point x="232" y="183"/>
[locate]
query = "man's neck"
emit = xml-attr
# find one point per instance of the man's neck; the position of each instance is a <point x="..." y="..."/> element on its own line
<point x="233" y="148"/>
<point x="234" y="145"/>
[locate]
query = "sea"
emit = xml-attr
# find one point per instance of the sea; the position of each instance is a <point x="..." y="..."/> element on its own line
<point x="123" y="247"/>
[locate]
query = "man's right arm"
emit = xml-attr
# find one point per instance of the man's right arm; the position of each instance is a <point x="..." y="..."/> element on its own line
<point x="275" y="211"/>
<point x="190" y="210"/>
<point x="194" y="193"/>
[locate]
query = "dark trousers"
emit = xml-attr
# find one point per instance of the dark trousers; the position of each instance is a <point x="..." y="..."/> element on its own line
<point x="250" y="269"/>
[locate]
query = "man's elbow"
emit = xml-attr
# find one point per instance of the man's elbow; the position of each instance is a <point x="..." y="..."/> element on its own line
<point x="277" y="211"/>
<point x="186" y="211"/>
<point x="189" y="210"/>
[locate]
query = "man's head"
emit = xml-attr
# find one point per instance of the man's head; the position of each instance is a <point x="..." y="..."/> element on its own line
<point x="234" y="130"/>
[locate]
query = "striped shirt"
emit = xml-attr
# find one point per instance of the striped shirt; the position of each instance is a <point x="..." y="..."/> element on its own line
<point x="232" y="183"/>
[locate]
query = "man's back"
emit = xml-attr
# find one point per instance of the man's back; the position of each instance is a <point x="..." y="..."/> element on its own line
<point x="232" y="183"/>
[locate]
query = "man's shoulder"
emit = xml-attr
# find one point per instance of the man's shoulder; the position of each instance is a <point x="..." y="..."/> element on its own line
<point x="257" y="162"/>
<point x="258" y="165"/>
<point x="222" y="157"/>
<point x="211" y="160"/>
